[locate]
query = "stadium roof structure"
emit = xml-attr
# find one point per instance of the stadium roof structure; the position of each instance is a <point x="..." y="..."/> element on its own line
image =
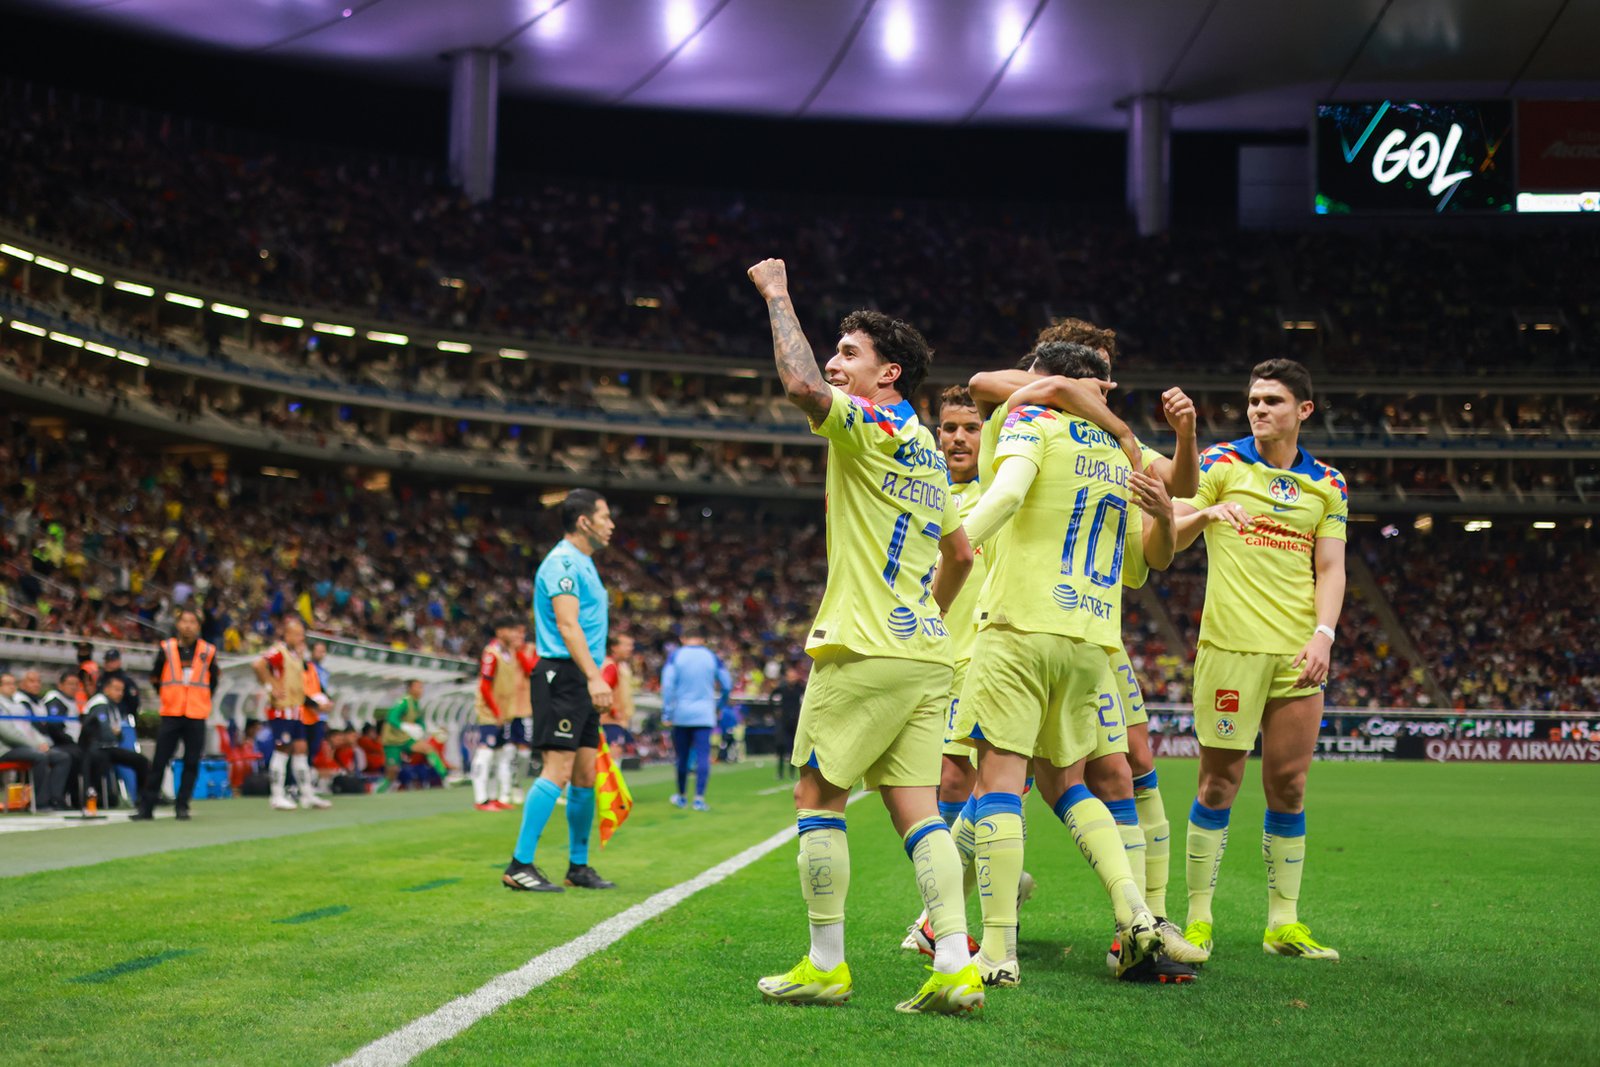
<point x="1226" y="64"/>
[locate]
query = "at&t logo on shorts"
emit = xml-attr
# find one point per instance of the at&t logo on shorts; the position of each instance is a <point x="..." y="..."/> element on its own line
<point x="1283" y="489"/>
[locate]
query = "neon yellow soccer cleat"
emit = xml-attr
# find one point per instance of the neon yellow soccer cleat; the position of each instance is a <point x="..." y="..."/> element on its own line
<point x="1294" y="939"/>
<point x="805" y="984"/>
<point x="947" y="994"/>
<point x="1198" y="934"/>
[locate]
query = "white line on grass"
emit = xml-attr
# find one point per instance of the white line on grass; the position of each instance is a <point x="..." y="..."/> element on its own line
<point x="435" y="1028"/>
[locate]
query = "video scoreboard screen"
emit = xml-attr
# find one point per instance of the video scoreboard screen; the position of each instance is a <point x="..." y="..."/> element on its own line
<point x="1395" y="156"/>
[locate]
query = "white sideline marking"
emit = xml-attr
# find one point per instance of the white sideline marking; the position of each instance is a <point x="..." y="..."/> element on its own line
<point x="775" y="789"/>
<point x="435" y="1028"/>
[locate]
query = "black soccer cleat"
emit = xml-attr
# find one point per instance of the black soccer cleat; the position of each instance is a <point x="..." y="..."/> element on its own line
<point x="1159" y="970"/>
<point x="526" y="878"/>
<point x="183" y="813"/>
<point x="583" y="876"/>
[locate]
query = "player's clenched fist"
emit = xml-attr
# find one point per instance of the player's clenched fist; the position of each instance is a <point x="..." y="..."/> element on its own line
<point x="1179" y="410"/>
<point x="771" y="278"/>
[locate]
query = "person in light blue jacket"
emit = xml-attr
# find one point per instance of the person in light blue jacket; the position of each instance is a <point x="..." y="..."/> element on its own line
<point x="693" y="684"/>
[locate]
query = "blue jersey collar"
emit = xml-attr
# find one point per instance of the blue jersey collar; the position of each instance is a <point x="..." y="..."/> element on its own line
<point x="1303" y="463"/>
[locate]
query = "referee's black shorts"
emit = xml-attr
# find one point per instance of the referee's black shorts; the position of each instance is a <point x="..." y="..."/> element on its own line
<point x="564" y="718"/>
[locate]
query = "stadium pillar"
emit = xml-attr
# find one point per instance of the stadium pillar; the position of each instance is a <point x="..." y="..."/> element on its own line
<point x="1150" y="163"/>
<point x="474" y="106"/>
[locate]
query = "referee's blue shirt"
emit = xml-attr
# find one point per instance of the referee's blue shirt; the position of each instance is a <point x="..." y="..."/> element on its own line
<point x="568" y="572"/>
<point x="693" y="683"/>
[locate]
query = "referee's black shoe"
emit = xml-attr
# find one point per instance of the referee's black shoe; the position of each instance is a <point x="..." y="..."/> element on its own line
<point x="583" y="876"/>
<point x="527" y="878"/>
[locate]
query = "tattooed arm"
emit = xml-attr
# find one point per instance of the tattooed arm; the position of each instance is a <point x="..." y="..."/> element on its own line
<point x="797" y="364"/>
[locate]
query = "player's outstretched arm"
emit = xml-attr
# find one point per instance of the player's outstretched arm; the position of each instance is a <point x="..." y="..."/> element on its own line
<point x="1181" y="473"/>
<point x="1002" y="499"/>
<point x="955" y="563"/>
<point x="1190" y="522"/>
<point x="991" y="388"/>
<point x="1159" y="538"/>
<point x="797" y="364"/>
<point x="1328" y="559"/>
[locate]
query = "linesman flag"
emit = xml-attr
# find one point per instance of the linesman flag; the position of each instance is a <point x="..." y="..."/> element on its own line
<point x="611" y="792"/>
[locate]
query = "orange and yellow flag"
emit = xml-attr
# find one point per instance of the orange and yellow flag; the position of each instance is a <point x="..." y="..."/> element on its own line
<point x="611" y="793"/>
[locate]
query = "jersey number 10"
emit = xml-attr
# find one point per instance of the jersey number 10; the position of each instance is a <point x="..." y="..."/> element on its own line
<point x="1102" y="513"/>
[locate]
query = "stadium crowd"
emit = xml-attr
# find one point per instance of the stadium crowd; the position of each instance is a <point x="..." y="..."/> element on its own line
<point x="587" y="264"/>
<point x="103" y="539"/>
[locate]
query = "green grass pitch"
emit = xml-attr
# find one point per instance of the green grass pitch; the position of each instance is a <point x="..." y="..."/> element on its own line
<point x="1460" y="896"/>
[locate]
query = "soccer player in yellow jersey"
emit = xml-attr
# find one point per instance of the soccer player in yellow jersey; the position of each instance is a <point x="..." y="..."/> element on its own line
<point x="960" y="428"/>
<point x="1055" y="516"/>
<point x="875" y="708"/>
<point x="1274" y="523"/>
<point x="1122" y="771"/>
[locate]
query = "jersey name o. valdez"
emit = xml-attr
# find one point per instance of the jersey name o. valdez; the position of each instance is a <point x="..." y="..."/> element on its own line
<point x="888" y="503"/>
<point x="1056" y="566"/>
<point x="1261" y="585"/>
<point x="962" y="618"/>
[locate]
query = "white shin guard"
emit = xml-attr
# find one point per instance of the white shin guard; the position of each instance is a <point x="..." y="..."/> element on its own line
<point x="278" y="768"/>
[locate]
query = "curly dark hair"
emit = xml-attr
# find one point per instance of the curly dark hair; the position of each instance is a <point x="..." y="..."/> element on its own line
<point x="1080" y="332"/>
<point x="895" y="342"/>
<point x="956" y="396"/>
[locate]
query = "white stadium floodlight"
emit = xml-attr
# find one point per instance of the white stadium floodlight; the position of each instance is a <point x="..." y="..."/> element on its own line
<point x="88" y="276"/>
<point x="230" y="311"/>
<point x="453" y="346"/>
<point x="133" y="287"/>
<point x="291" y="321"/>
<point x="134" y="358"/>
<point x="185" y="300"/>
<point x="66" y="339"/>
<point x="388" y="338"/>
<point x="28" y="327"/>
<point x="16" y="253"/>
<point x="334" y="328"/>
<point x="100" y="350"/>
<point x="513" y="353"/>
<point x="51" y="264"/>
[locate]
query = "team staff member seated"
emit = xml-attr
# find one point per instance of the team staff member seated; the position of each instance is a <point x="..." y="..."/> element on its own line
<point x="569" y="691"/>
<point x="185" y="675"/>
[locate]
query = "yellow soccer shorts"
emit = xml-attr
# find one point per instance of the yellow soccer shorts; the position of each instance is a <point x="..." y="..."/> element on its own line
<point x="952" y="746"/>
<point x="1034" y="694"/>
<point x="1111" y="715"/>
<point x="873" y="718"/>
<point x="1231" y="691"/>
<point x="1127" y="683"/>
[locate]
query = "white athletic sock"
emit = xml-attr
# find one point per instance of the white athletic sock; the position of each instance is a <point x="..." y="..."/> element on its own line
<point x="302" y="777"/>
<point x="480" y="774"/>
<point x="827" y="945"/>
<point x="950" y="953"/>
<point x="278" y="768"/>
<point x="505" y="769"/>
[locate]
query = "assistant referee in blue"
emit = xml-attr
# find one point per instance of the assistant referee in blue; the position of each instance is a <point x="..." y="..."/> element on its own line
<point x="570" y="614"/>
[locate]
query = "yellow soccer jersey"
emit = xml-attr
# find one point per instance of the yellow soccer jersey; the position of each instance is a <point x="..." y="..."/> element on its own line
<point x="962" y="618"/>
<point x="1261" y="585"/>
<point x="889" y="503"/>
<point x="1057" y="564"/>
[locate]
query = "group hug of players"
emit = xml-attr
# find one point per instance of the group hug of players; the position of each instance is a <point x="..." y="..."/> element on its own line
<point x="973" y="605"/>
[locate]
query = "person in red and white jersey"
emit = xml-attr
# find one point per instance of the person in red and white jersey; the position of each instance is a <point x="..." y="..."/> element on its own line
<point x="281" y="670"/>
<point x="504" y="711"/>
